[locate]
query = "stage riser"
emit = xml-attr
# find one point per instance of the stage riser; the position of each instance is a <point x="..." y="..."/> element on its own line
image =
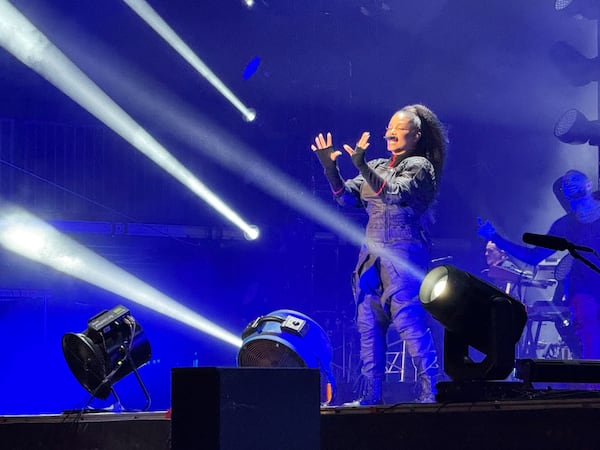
<point x="113" y="435"/>
<point x="531" y="429"/>
<point x="421" y="427"/>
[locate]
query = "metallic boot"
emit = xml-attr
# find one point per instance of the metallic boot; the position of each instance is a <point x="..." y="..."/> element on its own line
<point x="425" y="361"/>
<point x="371" y="392"/>
<point x="426" y="388"/>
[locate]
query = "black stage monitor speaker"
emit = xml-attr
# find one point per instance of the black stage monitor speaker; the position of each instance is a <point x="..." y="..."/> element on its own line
<point x="562" y="371"/>
<point x="245" y="408"/>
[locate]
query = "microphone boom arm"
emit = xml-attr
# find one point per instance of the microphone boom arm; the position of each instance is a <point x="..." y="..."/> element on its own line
<point x="584" y="260"/>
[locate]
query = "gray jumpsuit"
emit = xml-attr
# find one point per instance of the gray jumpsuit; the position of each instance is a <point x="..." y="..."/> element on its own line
<point x="393" y="261"/>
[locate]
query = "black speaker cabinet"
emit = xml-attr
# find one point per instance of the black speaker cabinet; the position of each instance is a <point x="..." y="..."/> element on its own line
<point x="245" y="408"/>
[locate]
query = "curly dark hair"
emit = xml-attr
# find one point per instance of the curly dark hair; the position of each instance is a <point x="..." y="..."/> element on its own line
<point x="433" y="142"/>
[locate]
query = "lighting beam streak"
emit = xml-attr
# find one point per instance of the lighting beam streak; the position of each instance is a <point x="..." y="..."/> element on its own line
<point x="21" y="38"/>
<point x="151" y="17"/>
<point x="277" y="184"/>
<point x="220" y="146"/>
<point x="24" y="234"/>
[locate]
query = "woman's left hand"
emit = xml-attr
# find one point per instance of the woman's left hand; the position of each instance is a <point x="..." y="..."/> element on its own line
<point x="361" y="145"/>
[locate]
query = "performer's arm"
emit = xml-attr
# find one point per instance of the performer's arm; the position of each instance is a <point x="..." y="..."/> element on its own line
<point x="327" y="156"/>
<point x="345" y="193"/>
<point x="375" y="181"/>
<point x="413" y="186"/>
<point x="530" y="255"/>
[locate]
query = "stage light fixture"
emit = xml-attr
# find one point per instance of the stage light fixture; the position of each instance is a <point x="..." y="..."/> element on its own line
<point x="474" y="314"/>
<point x="112" y="346"/>
<point x="574" y="128"/>
<point x="590" y="9"/>
<point x="252" y="233"/>
<point x="287" y="338"/>
<point x="578" y="69"/>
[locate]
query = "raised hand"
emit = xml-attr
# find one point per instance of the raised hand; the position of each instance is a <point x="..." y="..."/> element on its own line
<point x="323" y="148"/>
<point x="361" y="145"/>
<point x="324" y="144"/>
<point x="358" y="153"/>
<point x="486" y="230"/>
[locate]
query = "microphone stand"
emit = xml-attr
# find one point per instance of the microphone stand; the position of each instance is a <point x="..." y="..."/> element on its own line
<point x="575" y="254"/>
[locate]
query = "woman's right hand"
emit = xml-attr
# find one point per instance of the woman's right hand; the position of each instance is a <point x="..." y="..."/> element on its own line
<point x="324" y="149"/>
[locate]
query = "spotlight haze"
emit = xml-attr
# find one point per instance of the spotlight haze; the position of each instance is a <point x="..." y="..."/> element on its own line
<point x="21" y="38"/>
<point x="28" y="236"/>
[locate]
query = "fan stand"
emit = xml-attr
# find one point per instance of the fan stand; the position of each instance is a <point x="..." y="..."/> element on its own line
<point x="118" y="406"/>
<point x="143" y="388"/>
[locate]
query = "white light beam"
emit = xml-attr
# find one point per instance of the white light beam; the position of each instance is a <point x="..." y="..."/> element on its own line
<point x="151" y="17"/>
<point x="21" y="38"/>
<point x="25" y="234"/>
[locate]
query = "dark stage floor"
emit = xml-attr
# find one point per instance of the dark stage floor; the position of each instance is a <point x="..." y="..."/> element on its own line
<point x="522" y="424"/>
